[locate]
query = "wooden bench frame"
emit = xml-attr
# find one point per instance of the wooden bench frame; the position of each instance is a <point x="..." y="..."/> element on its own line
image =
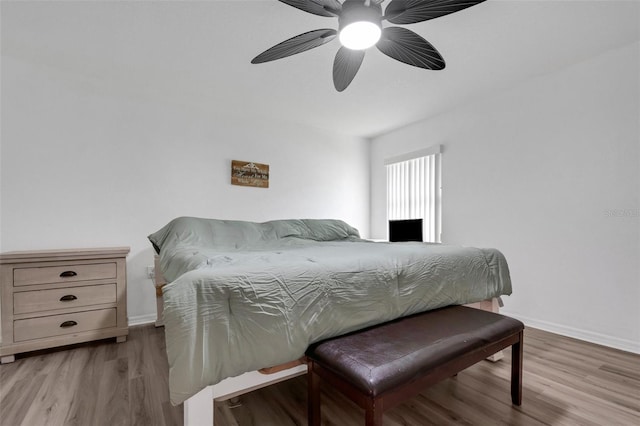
<point x="375" y="406"/>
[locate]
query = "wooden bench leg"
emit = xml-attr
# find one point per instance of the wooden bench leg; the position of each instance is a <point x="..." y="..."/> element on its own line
<point x="373" y="413"/>
<point x="516" y="371"/>
<point x="313" y="382"/>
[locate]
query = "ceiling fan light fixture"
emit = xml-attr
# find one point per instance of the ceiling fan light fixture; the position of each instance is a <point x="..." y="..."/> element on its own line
<point x="360" y="25"/>
<point x="360" y="35"/>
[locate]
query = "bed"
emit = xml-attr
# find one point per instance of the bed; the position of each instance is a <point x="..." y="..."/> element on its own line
<point x="243" y="296"/>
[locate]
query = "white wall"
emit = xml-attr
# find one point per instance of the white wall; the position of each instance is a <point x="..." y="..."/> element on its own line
<point x="83" y="167"/>
<point x="536" y="172"/>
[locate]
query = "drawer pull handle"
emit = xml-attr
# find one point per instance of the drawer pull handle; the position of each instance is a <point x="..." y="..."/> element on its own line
<point x="67" y="274"/>
<point x="68" y="298"/>
<point x="68" y="324"/>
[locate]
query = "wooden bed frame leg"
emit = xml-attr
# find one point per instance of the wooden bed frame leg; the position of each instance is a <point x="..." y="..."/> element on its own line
<point x="313" y="382"/>
<point x="491" y="305"/>
<point x="516" y="371"/>
<point x="495" y="357"/>
<point x="199" y="409"/>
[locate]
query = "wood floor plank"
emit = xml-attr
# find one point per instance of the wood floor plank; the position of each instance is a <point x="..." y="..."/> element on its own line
<point x="172" y="415"/>
<point x="52" y="402"/>
<point x="113" y="393"/>
<point x="83" y="403"/>
<point x="40" y="364"/>
<point x="145" y="407"/>
<point x="565" y="382"/>
<point x="135" y="352"/>
<point x="18" y="398"/>
<point x="469" y="399"/>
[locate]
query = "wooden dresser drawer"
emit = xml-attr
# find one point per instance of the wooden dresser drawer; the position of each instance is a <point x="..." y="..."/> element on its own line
<point x="64" y="273"/>
<point x="47" y="300"/>
<point x="56" y="325"/>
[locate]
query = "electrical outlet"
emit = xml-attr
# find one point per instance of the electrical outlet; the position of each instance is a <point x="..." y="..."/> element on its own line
<point x="151" y="272"/>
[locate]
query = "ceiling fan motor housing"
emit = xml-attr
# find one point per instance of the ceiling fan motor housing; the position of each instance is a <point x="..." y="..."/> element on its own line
<point x="357" y="11"/>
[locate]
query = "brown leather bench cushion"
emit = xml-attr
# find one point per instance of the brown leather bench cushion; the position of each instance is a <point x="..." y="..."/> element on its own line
<point x="385" y="356"/>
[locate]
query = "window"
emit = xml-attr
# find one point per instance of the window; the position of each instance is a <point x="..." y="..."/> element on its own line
<point x="414" y="191"/>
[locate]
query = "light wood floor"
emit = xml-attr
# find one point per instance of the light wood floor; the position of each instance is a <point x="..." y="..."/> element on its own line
<point x="566" y="382"/>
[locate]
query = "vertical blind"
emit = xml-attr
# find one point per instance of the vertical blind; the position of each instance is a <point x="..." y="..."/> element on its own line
<point x="413" y="190"/>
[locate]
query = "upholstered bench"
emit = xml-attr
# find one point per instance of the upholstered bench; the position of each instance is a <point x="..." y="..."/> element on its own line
<point x="382" y="366"/>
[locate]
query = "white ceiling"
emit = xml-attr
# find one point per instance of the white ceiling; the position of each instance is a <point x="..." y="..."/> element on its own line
<point x="198" y="53"/>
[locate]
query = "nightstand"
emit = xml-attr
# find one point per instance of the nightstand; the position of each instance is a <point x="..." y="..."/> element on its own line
<point x="60" y="297"/>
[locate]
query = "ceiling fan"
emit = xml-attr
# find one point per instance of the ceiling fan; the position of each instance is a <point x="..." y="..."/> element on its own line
<point x="360" y="27"/>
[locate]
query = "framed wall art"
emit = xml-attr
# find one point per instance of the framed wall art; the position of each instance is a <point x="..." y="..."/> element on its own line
<point x="247" y="173"/>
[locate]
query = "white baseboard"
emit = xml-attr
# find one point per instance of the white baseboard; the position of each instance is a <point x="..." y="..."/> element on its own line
<point x="142" y="319"/>
<point x="576" y="333"/>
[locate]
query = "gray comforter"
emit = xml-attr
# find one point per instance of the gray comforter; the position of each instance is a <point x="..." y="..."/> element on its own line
<point x="243" y="296"/>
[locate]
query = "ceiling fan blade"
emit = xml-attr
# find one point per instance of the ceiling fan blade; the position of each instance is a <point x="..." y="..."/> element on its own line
<point x="412" y="11"/>
<point x="345" y="67"/>
<point x="297" y="44"/>
<point x="317" y="7"/>
<point x="406" y="46"/>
